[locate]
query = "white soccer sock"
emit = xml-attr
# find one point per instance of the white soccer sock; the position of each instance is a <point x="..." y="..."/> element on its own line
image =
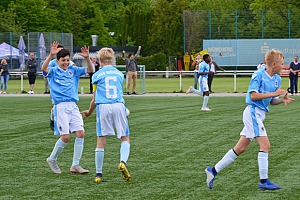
<point x="78" y="148"/>
<point x="205" y="101"/>
<point x="228" y="158"/>
<point x="197" y="92"/>
<point x="99" y="158"/>
<point x="263" y="164"/>
<point x="58" y="148"/>
<point x="124" y="151"/>
<point x="51" y="114"/>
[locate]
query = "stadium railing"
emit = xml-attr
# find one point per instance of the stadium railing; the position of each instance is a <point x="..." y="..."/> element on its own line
<point x="167" y="74"/>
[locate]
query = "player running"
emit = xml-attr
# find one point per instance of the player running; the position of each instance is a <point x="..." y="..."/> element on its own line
<point x="203" y="76"/>
<point x="264" y="89"/>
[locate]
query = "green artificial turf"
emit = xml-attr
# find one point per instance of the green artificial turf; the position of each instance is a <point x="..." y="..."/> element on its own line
<point x="172" y="143"/>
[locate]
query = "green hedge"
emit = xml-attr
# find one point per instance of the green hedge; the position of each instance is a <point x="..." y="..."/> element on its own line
<point x="155" y="62"/>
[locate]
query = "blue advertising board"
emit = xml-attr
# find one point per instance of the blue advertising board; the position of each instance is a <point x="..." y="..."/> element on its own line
<point x="250" y="52"/>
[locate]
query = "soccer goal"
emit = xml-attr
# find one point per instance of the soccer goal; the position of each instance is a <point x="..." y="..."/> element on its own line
<point x="140" y="86"/>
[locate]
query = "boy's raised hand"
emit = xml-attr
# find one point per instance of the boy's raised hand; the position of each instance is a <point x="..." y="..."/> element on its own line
<point x="85" y="51"/>
<point x="54" y="48"/>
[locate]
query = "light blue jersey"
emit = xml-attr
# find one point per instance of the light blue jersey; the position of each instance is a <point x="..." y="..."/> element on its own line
<point x="109" y="81"/>
<point x="261" y="82"/>
<point x="64" y="84"/>
<point x="203" y="67"/>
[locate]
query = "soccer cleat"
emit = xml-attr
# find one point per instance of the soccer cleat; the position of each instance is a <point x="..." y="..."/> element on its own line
<point x="52" y="125"/>
<point x="4" y="92"/>
<point x="53" y="166"/>
<point x="210" y="177"/>
<point x="189" y="90"/>
<point x="98" y="178"/>
<point x="205" y="109"/>
<point x="125" y="173"/>
<point x="78" y="169"/>
<point x="268" y="185"/>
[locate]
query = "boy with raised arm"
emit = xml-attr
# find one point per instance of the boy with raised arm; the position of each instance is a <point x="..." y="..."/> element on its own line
<point x="63" y="81"/>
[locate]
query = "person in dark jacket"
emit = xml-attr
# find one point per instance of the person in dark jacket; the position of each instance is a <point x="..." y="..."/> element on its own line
<point x="294" y="69"/>
<point x="213" y="67"/>
<point x="32" y="69"/>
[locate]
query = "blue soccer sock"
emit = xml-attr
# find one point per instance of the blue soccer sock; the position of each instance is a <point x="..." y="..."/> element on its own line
<point x="78" y="149"/>
<point x="58" y="148"/>
<point x="99" y="158"/>
<point x="124" y="151"/>
<point x="228" y="158"/>
<point x="263" y="164"/>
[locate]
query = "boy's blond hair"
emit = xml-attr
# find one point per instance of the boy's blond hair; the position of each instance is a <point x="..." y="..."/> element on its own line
<point x="106" y="56"/>
<point x="273" y="56"/>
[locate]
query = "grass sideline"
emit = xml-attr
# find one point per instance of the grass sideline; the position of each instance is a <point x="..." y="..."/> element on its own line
<point x="154" y="85"/>
<point x="171" y="144"/>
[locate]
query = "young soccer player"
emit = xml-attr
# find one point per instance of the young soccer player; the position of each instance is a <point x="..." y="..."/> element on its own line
<point x="264" y="89"/>
<point x="203" y="76"/>
<point x="110" y="110"/>
<point x="63" y="80"/>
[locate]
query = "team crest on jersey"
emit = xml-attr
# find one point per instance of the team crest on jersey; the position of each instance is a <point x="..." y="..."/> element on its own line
<point x="276" y="83"/>
<point x="70" y="73"/>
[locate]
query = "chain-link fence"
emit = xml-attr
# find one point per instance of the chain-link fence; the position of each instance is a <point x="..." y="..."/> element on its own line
<point x="239" y="24"/>
<point x="9" y="42"/>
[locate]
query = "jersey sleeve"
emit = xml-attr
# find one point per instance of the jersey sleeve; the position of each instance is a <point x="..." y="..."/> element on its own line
<point x="254" y="83"/>
<point x="50" y="72"/>
<point x="79" y="71"/>
<point x="201" y="67"/>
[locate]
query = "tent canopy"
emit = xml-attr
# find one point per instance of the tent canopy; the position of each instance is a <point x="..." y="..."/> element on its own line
<point x="7" y="50"/>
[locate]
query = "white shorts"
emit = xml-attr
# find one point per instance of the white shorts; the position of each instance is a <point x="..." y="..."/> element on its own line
<point x="67" y="118"/>
<point x="111" y="117"/>
<point x="203" y="86"/>
<point x="253" y="118"/>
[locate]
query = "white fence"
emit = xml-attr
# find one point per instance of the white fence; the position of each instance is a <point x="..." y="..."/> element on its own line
<point x="179" y="74"/>
<point x="166" y="74"/>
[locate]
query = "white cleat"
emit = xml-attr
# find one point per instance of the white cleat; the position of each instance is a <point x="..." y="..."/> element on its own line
<point x="53" y="166"/>
<point x="205" y="109"/>
<point x="189" y="90"/>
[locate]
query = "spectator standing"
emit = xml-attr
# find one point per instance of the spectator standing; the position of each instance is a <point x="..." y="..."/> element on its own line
<point x="4" y="76"/>
<point x="32" y="69"/>
<point x="294" y="69"/>
<point x="96" y="66"/>
<point x="46" y="90"/>
<point x="195" y="64"/>
<point x="131" y="69"/>
<point x="213" y="67"/>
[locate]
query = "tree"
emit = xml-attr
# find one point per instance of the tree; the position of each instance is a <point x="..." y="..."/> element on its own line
<point x="166" y="33"/>
<point x="33" y="15"/>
